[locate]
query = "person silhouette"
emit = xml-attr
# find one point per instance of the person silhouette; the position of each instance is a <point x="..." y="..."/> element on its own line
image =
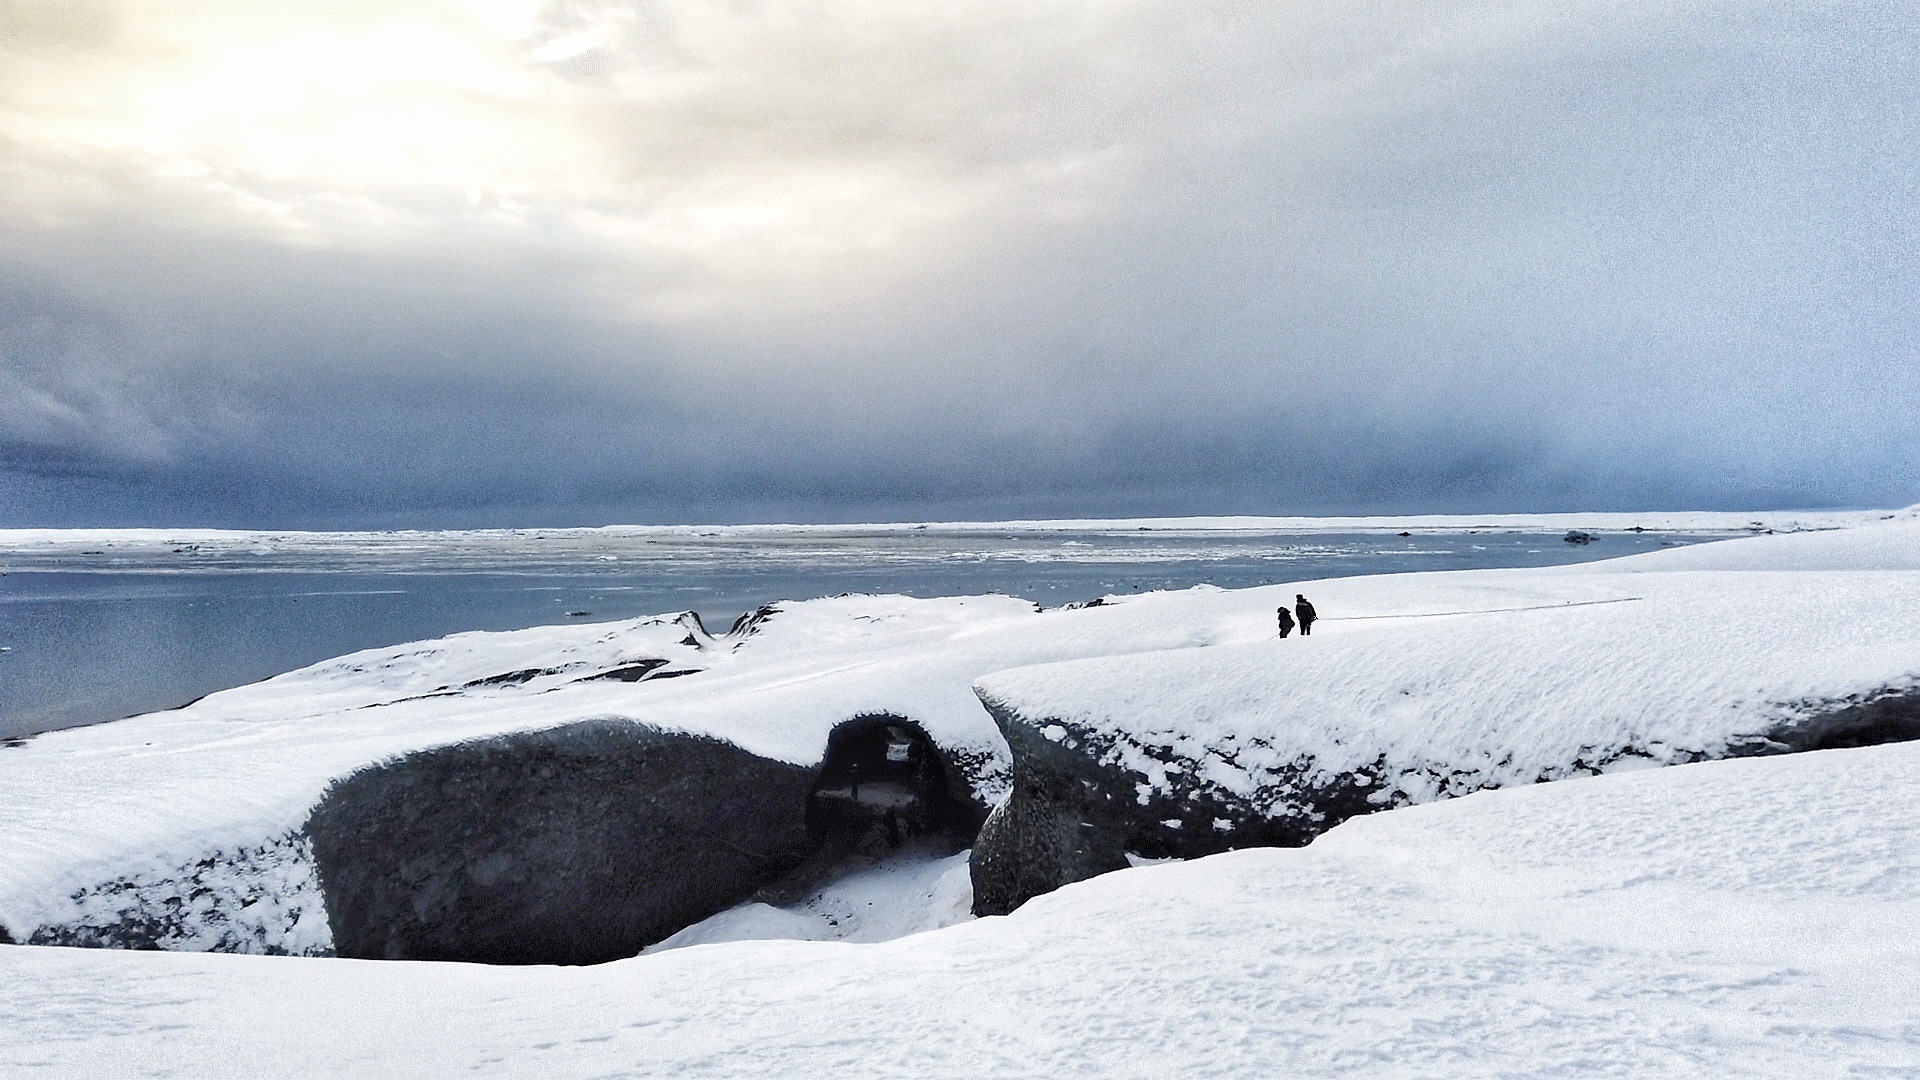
<point x="1286" y="621"/>
<point x="1304" y="609"/>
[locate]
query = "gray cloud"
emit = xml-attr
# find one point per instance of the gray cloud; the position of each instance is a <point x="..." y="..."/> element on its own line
<point x="688" y="261"/>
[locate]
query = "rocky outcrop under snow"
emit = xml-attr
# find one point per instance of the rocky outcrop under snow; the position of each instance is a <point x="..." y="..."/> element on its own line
<point x="170" y="830"/>
<point x="571" y="845"/>
<point x="197" y="828"/>
<point x="1546" y="676"/>
<point x="1753" y="918"/>
<point x="1080" y="807"/>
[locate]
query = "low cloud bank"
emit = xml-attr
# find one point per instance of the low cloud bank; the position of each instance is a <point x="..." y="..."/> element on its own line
<point x="588" y="262"/>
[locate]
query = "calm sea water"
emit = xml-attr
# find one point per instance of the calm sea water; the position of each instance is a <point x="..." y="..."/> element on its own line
<point x="113" y="626"/>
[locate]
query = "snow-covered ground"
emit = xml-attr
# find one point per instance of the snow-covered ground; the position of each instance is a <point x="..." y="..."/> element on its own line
<point x="96" y="816"/>
<point x="1456" y="682"/>
<point x="1756" y="917"/>
<point x="1753" y="918"/>
<point x="880" y="900"/>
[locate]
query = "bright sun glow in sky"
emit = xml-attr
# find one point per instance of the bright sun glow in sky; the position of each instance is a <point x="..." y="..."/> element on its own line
<point x="370" y="122"/>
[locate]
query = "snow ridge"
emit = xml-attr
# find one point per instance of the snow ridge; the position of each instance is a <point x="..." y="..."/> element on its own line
<point x="1701" y="665"/>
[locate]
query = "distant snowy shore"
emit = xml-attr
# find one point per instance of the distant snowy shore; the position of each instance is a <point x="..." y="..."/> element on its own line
<point x="1663" y="521"/>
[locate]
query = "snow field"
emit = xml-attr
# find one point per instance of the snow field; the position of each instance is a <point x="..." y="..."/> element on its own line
<point x="1670" y="667"/>
<point x="1758" y="918"/>
<point x="1424" y="664"/>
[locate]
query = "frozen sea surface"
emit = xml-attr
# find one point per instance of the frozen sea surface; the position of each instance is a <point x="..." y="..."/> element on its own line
<point x="101" y="624"/>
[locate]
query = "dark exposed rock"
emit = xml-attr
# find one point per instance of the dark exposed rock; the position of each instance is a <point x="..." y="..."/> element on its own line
<point x="1868" y="720"/>
<point x="5" y="938"/>
<point x="749" y="624"/>
<point x="1072" y="814"/>
<point x="1064" y="820"/>
<point x="883" y="785"/>
<point x="510" y="678"/>
<point x="417" y="697"/>
<point x="1075" y="811"/>
<point x="630" y="672"/>
<point x="1577" y="537"/>
<point x="572" y="845"/>
<point x="697" y="635"/>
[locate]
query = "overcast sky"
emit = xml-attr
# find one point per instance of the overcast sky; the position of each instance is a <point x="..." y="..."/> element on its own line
<point x="377" y="262"/>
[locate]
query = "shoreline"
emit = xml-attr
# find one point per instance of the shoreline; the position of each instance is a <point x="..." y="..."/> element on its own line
<point x="1689" y="521"/>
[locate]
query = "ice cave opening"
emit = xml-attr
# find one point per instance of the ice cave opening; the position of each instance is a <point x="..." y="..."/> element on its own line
<point x="883" y="782"/>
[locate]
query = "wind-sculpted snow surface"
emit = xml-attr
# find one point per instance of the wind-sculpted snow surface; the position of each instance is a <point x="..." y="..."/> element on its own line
<point x="1753" y="918"/>
<point x="1195" y="752"/>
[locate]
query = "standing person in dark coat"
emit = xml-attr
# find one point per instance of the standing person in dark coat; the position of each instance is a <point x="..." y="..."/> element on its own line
<point x="1305" y="610"/>
<point x="1286" y="621"/>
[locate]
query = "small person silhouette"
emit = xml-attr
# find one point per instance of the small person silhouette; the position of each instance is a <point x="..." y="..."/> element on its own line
<point x="1306" y="613"/>
<point x="1286" y="621"/>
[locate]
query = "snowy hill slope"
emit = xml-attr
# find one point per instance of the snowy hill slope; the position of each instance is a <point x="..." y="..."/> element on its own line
<point x="209" y="801"/>
<point x="105" y="822"/>
<point x="1677" y="670"/>
<point x="1754" y="918"/>
<point x="1546" y="674"/>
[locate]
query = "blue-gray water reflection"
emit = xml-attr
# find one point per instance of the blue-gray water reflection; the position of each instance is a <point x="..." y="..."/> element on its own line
<point x="99" y="633"/>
